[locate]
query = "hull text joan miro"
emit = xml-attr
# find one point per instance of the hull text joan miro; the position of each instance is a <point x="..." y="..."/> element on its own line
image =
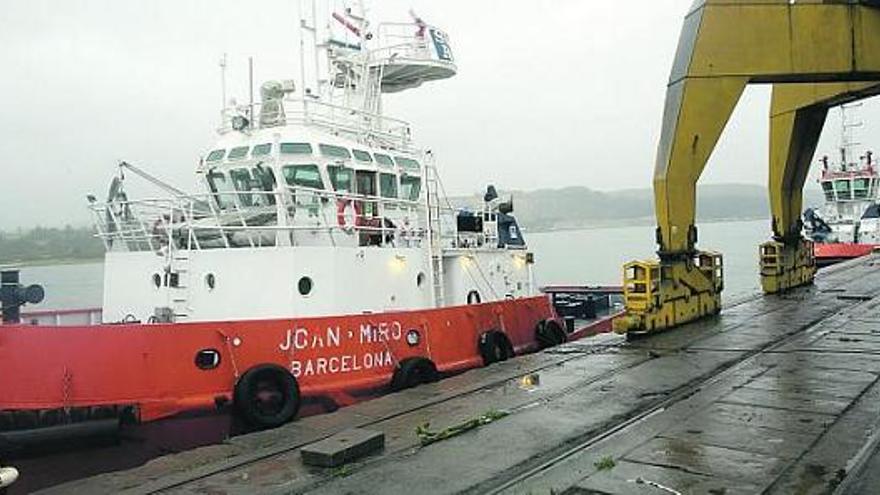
<point x="343" y="350"/>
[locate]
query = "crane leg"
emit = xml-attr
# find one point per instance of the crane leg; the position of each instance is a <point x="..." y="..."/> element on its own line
<point x="787" y="261"/>
<point x="797" y="116"/>
<point x="685" y="284"/>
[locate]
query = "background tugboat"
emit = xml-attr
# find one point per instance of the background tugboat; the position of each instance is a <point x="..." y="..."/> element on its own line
<point x="848" y="225"/>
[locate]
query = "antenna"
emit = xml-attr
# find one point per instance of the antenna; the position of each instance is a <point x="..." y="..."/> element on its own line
<point x="302" y="46"/>
<point x="847" y="140"/>
<point x="223" y="82"/>
<point x="251" y="86"/>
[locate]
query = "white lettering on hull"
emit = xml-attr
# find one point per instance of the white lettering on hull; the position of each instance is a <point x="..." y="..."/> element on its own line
<point x="348" y="363"/>
<point x="383" y="332"/>
<point x="301" y="339"/>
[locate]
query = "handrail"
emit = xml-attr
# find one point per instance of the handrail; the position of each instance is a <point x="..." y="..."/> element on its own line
<point x="365" y="125"/>
<point x="191" y="221"/>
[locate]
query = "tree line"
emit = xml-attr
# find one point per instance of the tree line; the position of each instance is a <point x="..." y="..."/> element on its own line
<point x="49" y="245"/>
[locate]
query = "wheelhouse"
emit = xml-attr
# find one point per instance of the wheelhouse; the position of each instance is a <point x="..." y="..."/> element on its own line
<point x="851" y="188"/>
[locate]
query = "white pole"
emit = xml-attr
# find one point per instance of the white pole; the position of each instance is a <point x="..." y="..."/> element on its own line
<point x="302" y="47"/>
<point x="318" y="52"/>
<point x="223" y="83"/>
<point x="251" y="86"/>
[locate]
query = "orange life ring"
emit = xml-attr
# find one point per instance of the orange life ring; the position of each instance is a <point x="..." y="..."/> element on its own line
<point x="344" y="209"/>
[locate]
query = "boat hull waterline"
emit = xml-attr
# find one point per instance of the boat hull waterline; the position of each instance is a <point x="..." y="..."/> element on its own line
<point x="160" y="370"/>
<point x="829" y="254"/>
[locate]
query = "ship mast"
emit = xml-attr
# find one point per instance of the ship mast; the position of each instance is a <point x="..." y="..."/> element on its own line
<point x="848" y="124"/>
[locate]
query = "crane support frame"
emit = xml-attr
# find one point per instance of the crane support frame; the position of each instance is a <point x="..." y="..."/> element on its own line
<point x="816" y="53"/>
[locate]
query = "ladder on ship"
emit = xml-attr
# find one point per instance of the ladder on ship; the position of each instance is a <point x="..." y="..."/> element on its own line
<point x="432" y="183"/>
<point x="178" y="283"/>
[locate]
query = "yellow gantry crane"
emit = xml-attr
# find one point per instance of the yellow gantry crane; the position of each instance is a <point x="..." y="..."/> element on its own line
<point x="817" y="54"/>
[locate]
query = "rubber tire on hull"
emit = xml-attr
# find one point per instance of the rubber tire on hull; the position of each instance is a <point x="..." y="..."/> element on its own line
<point x="413" y="372"/>
<point x="557" y="330"/>
<point x="494" y="347"/>
<point x="267" y="396"/>
<point x="549" y="333"/>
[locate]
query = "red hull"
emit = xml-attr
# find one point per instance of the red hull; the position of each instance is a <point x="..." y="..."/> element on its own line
<point x="151" y="368"/>
<point x="828" y="254"/>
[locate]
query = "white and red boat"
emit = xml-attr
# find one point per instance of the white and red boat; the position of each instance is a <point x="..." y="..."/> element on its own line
<point x="848" y="225"/>
<point x="322" y="264"/>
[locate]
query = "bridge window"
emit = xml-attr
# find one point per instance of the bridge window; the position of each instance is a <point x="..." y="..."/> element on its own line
<point x="303" y="176"/>
<point x="331" y="151"/>
<point x="341" y="178"/>
<point x="248" y="185"/>
<point x="222" y="189"/>
<point x="295" y="148"/>
<point x="384" y="160"/>
<point x="407" y="163"/>
<point x="261" y="150"/>
<point x="842" y="187"/>
<point x="828" y="188"/>
<point x="215" y="156"/>
<point x="362" y="156"/>
<point x="238" y="153"/>
<point x="410" y="188"/>
<point x="388" y="186"/>
<point x="860" y="188"/>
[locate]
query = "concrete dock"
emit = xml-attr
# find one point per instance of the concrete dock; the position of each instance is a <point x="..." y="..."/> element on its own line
<point x="776" y="395"/>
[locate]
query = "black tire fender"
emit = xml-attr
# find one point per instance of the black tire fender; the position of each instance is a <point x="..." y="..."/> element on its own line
<point x="558" y="331"/>
<point x="548" y="333"/>
<point x="267" y="379"/>
<point x="494" y="347"/>
<point x="412" y="372"/>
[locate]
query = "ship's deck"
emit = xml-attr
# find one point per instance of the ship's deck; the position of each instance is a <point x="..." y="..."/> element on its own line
<point x="778" y="394"/>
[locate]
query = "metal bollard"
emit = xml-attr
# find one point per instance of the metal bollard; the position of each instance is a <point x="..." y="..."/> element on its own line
<point x="13" y="295"/>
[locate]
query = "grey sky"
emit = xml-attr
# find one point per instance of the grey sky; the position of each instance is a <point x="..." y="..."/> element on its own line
<point x="549" y="93"/>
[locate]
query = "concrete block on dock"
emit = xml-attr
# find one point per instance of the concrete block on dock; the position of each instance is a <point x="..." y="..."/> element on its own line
<point x="342" y="448"/>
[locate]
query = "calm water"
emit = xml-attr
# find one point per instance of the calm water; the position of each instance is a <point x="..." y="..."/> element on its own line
<point x="570" y="257"/>
<point x="597" y="256"/>
<point x="67" y="286"/>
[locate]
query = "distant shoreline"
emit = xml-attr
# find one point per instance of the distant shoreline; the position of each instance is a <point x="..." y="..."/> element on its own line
<point x="630" y="222"/>
<point x="6" y="264"/>
<point x="633" y="222"/>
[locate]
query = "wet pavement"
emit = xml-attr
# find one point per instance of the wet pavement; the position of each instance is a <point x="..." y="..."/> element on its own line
<point x="777" y="395"/>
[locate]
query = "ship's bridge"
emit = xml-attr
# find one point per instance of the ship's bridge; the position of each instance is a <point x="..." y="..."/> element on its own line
<point x="291" y="185"/>
<point x="859" y="184"/>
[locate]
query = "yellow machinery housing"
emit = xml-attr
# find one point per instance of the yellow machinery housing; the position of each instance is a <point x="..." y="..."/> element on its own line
<point x="818" y="54"/>
<point x="657" y="294"/>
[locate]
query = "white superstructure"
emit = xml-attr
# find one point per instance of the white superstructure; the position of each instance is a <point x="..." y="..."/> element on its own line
<point x="315" y="202"/>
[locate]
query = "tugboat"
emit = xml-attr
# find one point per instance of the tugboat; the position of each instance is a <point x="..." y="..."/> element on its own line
<point x="848" y="225"/>
<point x="321" y="265"/>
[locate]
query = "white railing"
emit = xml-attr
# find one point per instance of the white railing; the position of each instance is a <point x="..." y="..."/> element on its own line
<point x="404" y="40"/>
<point x="370" y="128"/>
<point x="62" y="317"/>
<point x="259" y="218"/>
